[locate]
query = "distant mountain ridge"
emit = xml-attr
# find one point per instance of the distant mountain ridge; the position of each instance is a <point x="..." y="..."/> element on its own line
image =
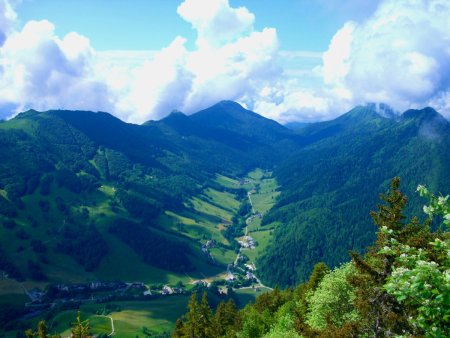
<point x="90" y="169"/>
<point x="330" y="186"/>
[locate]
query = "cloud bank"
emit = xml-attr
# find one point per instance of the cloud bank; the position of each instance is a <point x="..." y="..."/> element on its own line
<point x="399" y="55"/>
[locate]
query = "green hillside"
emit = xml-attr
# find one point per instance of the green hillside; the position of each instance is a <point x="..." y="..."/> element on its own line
<point x="329" y="187"/>
<point x="197" y="200"/>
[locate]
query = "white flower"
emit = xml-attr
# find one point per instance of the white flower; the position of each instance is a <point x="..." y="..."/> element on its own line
<point x="427" y="209"/>
<point x="442" y="200"/>
<point x="421" y="189"/>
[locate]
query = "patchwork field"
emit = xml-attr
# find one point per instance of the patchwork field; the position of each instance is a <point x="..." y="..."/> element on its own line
<point x="206" y="216"/>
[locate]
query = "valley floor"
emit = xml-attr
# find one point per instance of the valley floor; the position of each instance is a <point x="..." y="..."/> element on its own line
<point x="151" y="305"/>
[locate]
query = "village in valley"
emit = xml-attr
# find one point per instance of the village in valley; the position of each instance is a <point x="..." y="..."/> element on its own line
<point x="240" y="274"/>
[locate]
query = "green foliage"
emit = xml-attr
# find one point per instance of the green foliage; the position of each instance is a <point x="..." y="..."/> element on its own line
<point x="380" y="313"/>
<point x="283" y="328"/>
<point x="152" y="247"/>
<point x="330" y="185"/>
<point x="332" y="301"/>
<point x="399" y="288"/>
<point x="84" y="244"/>
<point x="41" y="332"/>
<point x="420" y="280"/>
<point x="198" y="319"/>
<point x="80" y="329"/>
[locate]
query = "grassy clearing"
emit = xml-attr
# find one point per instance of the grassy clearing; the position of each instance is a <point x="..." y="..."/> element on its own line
<point x="224" y="199"/>
<point x="157" y="315"/>
<point x="248" y="295"/>
<point x="262" y="239"/>
<point x="222" y="255"/>
<point x="204" y="207"/>
<point x="227" y="182"/>
<point x="263" y="195"/>
<point x="194" y="225"/>
<point x="264" y="199"/>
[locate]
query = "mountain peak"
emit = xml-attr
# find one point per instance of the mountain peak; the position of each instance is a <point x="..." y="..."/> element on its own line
<point x="178" y="121"/>
<point x="229" y="104"/>
<point x="360" y="114"/>
<point x="426" y="113"/>
<point x="29" y="112"/>
<point x="175" y="115"/>
<point x="429" y="123"/>
<point x="225" y="112"/>
<point x="384" y="110"/>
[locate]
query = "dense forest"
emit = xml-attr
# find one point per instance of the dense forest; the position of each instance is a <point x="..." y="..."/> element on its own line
<point x="78" y="176"/>
<point x="400" y="287"/>
<point x="329" y="186"/>
<point x="82" y="193"/>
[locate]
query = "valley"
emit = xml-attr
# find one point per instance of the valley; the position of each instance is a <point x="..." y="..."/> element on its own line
<point x="225" y="222"/>
<point x="223" y="200"/>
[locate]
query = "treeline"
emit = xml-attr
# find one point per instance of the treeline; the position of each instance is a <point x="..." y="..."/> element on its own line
<point x="85" y="244"/>
<point x="152" y="247"/>
<point x="398" y="288"/>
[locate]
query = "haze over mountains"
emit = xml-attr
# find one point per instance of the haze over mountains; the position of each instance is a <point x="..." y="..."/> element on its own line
<point x="84" y="191"/>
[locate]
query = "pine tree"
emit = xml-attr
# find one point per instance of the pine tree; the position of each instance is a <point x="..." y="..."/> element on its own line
<point x="205" y="318"/>
<point x="179" y="329"/>
<point x="381" y="315"/>
<point x="80" y="329"/>
<point x="226" y="319"/>
<point x="192" y="321"/>
<point x="42" y="332"/>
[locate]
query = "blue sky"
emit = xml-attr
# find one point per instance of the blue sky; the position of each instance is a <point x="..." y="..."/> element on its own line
<point x="290" y="60"/>
<point x="152" y="24"/>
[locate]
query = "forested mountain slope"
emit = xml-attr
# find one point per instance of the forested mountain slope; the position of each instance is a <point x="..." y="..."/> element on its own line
<point x="329" y="187"/>
<point x="80" y="190"/>
<point x="82" y="179"/>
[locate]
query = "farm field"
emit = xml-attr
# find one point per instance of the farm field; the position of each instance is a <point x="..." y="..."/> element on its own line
<point x="131" y="318"/>
<point x="206" y="216"/>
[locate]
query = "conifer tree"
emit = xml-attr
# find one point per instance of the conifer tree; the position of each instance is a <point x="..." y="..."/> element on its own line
<point x="205" y="318"/>
<point x="179" y="329"/>
<point x="192" y="322"/>
<point x="226" y="319"/>
<point x="381" y="315"/>
<point x="42" y="332"/>
<point x="80" y="329"/>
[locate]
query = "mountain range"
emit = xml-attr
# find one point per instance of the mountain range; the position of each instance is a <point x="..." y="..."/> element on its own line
<point x="86" y="196"/>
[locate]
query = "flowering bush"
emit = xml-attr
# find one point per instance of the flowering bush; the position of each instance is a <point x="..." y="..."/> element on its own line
<point x="420" y="279"/>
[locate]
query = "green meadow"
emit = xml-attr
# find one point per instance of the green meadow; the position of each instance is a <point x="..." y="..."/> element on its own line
<point x="205" y="216"/>
<point x="130" y="318"/>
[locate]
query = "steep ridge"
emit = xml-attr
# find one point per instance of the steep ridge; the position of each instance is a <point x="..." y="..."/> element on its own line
<point x="64" y="171"/>
<point x="72" y="183"/>
<point x="330" y="186"/>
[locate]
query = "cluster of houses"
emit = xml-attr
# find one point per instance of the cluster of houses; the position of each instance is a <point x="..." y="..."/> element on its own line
<point x="208" y="245"/>
<point x="95" y="291"/>
<point x="253" y="216"/>
<point x="247" y="242"/>
<point x="244" y="181"/>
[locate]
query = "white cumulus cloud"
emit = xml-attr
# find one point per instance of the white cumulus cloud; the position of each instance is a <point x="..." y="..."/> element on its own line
<point x="42" y="71"/>
<point x="7" y="19"/>
<point x="231" y="61"/>
<point x="400" y="55"/>
<point x="215" y="21"/>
